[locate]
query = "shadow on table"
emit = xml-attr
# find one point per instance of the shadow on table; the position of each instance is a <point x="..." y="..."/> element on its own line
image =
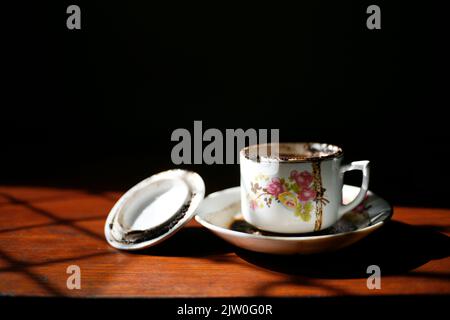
<point x="396" y="248"/>
<point x="189" y="242"/>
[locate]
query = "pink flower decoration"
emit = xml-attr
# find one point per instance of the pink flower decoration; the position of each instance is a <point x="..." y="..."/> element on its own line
<point x="306" y="194"/>
<point x="303" y="179"/>
<point x="275" y="187"/>
<point x="253" y="204"/>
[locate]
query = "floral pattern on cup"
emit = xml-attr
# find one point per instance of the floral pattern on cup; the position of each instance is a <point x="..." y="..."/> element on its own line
<point x="296" y="193"/>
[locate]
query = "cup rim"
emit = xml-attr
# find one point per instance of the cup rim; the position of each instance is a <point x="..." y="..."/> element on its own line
<point x="338" y="153"/>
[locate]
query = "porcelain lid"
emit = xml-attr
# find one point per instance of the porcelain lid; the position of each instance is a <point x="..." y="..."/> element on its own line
<point x="154" y="209"/>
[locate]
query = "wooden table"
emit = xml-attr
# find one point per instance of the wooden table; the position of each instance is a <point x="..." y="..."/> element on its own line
<point x="45" y="230"/>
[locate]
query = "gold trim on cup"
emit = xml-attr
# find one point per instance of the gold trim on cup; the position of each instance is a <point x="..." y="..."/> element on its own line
<point x="264" y="152"/>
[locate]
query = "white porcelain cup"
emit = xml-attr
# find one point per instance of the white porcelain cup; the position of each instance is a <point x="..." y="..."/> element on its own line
<point x="296" y="187"/>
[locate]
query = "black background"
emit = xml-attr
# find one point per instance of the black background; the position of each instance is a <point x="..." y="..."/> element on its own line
<point x="95" y="108"/>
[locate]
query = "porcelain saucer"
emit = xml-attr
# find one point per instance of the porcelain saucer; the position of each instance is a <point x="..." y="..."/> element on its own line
<point x="220" y="213"/>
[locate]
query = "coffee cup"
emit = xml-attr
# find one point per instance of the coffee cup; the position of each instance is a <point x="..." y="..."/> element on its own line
<point x="296" y="187"/>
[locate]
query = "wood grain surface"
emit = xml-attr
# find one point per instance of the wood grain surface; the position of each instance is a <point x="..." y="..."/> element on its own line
<point x="45" y="230"/>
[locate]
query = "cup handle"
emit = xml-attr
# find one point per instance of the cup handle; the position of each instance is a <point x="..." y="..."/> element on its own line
<point x="365" y="168"/>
